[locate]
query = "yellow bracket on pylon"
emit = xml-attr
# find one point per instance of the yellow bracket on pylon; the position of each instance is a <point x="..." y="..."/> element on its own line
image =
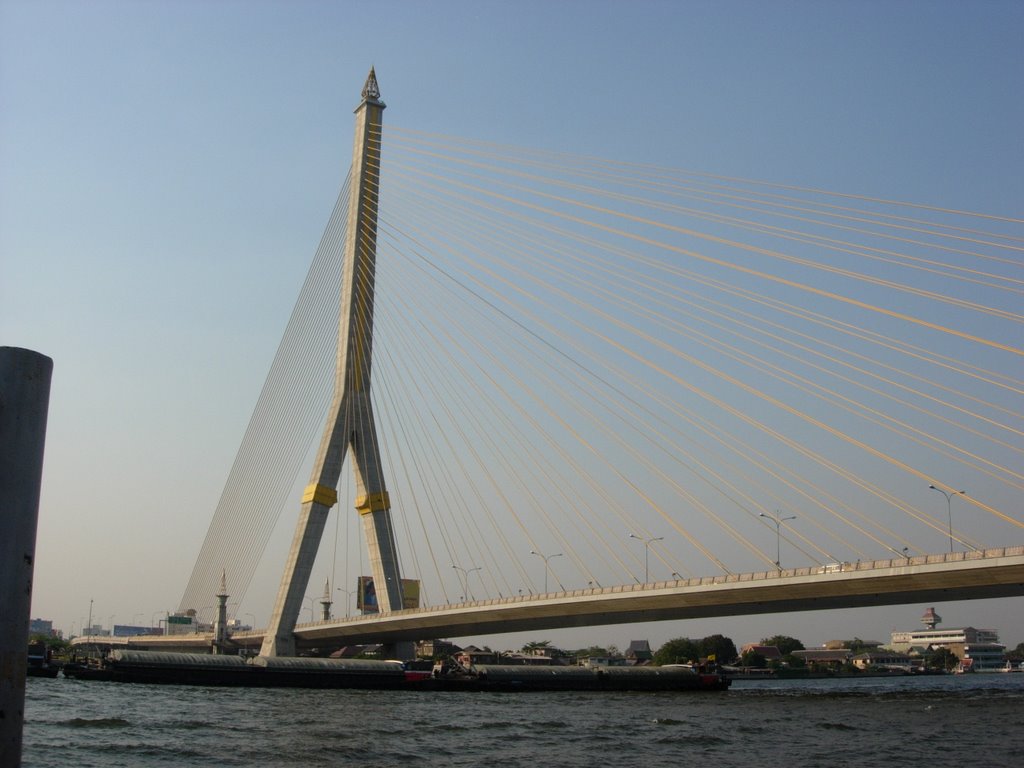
<point x="373" y="502"/>
<point x="321" y="494"/>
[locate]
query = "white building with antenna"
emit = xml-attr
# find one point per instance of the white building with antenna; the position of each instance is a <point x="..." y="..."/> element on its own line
<point x="979" y="650"/>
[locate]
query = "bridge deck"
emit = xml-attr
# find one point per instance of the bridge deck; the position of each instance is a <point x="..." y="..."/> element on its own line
<point x="954" y="576"/>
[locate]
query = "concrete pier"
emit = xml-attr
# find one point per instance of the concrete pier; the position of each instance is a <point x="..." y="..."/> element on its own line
<point x="24" y="404"/>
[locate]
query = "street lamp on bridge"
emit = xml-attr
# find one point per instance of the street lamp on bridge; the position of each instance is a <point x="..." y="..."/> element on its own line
<point x="647" y="549"/>
<point x="311" y="606"/>
<point x="949" y="509"/>
<point x="545" y="558"/>
<point x="778" y="535"/>
<point x="465" y="576"/>
<point x="348" y="598"/>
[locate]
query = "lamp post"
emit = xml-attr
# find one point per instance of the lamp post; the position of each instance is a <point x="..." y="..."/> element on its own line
<point x="348" y="599"/>
<point x="199" y="617"/>
<point x="949" y="509"/>
<point x="778" y="534"/>
<point x="253" y="617"/>
<point x="647" y="549"/>
<point x="545" y="558"/>
<point x="465" y="576"/>
<point x="311" y="603"/>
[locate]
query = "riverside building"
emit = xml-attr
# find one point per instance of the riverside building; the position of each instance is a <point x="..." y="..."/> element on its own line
<point x="979" y="650"/>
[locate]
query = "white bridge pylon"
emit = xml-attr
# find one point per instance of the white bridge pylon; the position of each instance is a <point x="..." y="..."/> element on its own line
<point x="350" y="424"/>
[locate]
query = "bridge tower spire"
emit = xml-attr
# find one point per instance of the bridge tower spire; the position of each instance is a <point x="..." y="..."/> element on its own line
<point x="350" y="424"/>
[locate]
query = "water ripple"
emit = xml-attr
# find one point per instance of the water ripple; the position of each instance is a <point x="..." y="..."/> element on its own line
<point x="803" y="724"/>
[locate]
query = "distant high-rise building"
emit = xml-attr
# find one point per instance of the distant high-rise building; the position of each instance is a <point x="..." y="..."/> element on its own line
<point x="40" y="627"/>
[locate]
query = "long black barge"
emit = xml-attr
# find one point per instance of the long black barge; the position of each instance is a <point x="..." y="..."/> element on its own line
<point x="130" y="666"/>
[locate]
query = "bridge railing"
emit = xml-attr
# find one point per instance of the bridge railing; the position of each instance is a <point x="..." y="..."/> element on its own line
<point x="703" y="581"/>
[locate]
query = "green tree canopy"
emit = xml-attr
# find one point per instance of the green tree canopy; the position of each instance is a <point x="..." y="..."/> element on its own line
<point x="535" y="645"/>
<point x="719" y="646"/>
<point x="784" y="643"/>
<point x="942" y="658"/>
<point x="682" y="650"/>
<point x="752" y="658"/>
<point x="55" y="644"/>
<point x="859" y="646"/>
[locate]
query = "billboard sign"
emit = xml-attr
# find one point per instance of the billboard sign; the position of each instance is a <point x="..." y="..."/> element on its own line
<point x="366" y="594"/>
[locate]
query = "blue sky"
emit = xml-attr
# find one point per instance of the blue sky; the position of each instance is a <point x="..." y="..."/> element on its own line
<point x="167" y="169"/>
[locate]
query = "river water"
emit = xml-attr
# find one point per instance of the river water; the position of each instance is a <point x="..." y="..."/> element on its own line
<point x="965" y="720"/>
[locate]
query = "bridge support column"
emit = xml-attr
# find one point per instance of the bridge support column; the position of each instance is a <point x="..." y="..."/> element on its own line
<point x="350" y="425"/>
<point x="280" y="637"/>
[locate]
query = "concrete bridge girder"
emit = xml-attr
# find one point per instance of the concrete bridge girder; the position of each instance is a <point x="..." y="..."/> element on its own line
<point x="993" y="573"/>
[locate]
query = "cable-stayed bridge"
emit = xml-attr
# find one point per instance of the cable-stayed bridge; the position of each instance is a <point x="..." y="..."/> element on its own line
<point x="546" y="374"/>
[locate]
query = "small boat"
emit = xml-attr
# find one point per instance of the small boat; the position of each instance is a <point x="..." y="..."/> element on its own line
<point x="40" y="662"/>
<point x="41" y="670"/>
<point x="78" y="670"/>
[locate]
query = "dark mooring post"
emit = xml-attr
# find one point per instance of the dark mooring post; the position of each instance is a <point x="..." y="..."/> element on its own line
<point x="24" y="403"/>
